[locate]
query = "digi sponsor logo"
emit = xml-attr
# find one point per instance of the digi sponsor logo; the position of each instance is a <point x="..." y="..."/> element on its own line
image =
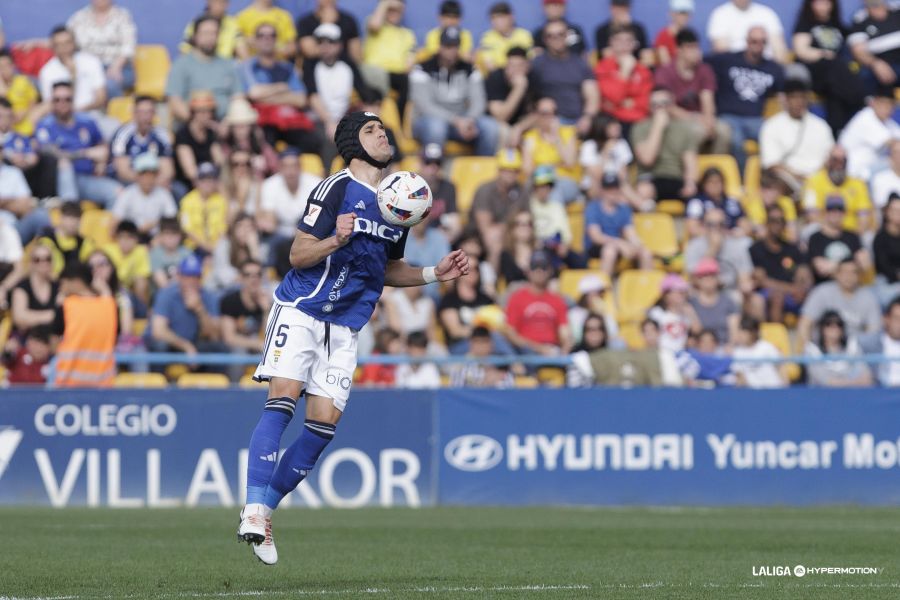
<point x="473" y="452"/>
<point x="9" y="441"/>
<point x="374" y="229"/>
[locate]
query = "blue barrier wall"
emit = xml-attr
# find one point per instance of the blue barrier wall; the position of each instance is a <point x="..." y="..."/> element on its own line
<point x="672" y="447"/>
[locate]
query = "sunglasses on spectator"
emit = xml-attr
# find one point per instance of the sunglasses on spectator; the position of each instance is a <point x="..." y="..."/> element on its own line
<point x="59" y="99"/>
<point x="594" y="328"/>
<point x="777" y="221"/>
<point x="41" y="259"/>
<point x="240" y="163"/>
<point x="555" y="34"/>
<point x="265" y="36"/>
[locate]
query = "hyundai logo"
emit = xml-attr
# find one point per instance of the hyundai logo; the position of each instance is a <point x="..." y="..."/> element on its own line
<point x="473" y="452"/>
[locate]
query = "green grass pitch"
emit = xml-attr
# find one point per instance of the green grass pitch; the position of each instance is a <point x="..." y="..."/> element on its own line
<point x="450" y="553"/>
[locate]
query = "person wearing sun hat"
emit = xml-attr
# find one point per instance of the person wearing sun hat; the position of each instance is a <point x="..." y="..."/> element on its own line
<point x="674" y="315"/>
<point x="716" y="311"/>
<point x="593" y="297"/>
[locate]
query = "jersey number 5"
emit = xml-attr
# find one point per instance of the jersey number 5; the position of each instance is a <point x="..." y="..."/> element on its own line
<point x="281" y="335"/>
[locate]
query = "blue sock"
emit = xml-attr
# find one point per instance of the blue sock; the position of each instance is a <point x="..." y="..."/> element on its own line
<point x="298" y="460"/>
<point x="263" y="453"/>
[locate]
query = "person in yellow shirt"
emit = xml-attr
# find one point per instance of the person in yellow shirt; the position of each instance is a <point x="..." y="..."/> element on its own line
<point x="450" y="15"/>
<point x="551" y="144"/>
<point x="204" y="211"/>
<point x="756" y="207"/>
<point x="831" y="180"/>
<point x="502" y="36"/>
<point x="231" y="43"/>
<point x="263" y="11"/>
<point x="389" y="51"/>
<point x="131" y="260"/>
<point x="22" y="95"/>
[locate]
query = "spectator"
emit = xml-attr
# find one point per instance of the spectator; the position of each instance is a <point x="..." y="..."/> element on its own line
<point x="29" y="363"/>
<point x="503" y="35"/>
<point x="624" y="83"/>
<point x="21" y="151"/>
<point x="456" y="310"/>
<point x="449" y="15"/>
<point x="144" y="202"/>
<point x="605" y="150"/>
<point x="674" y="314"/>
<point x="886" y="343"/>
<point x="496" y="200"/>
<point x="553" y="145"/>
<point x="327" y="12"/>
<point x="551" y="222"/>
<point x="744" y="80"/>
<point x="230" y="43"/>
<point x="131" y="259"/>
<point x="231" y="251"/>
<point x="166" y="253"/>
<point x="749" y="346"/>
<point x="417" y="375"/>
<point x="556" y="10"/>
<point x="284" y="194"/>
<point x="537" y="318"/>
<point x="794" y="143"/>
<point x="874" y="45"/>
<point x="243" y="135"/>
<point x="819" y="44"/>
<point x="693" y="85"/>
<point x="868" y="135"/>
<point x="204" y="211"/>
<point x="87" y="322"/>
<point x="264" y="11"/>
<point x="108" y="32"/>
<point x="202" y="69"/>
<point x="387" y="342"/>
<point x="887" y="182"/>
<point x="242" y="184"/>
<point x="666" y="44"/>
<point x="886" y="249"/>
<point x="833" y="244"/>
<point x="620" y="15"/>
<point x="519" y="245"/>
<point x="388" y="51"/>
<point x="510" y="96"/>
<point x="11" y="267"/>
<point x="712" y="196"/>
<point x="857" y="305"/>
<point x="33" y="300"/>
<point x="832" y="180"/>
<point x="81" y="153"/>
<point x="22" y="96"/>
<point x="196" y="143"/>
<point x="449" y="101"/>
<point x="83" y="71"/>
<point x="105" y="280"/>
<point x="64" y="240"/>
<point x="594" y="300"/>
<point x="424" y="244"/>
<point x="650" y="334"/>
<point x="243" y="311"/>
<point x="780" y="270"/>
<point x="593" y="335"/>
<point x="730" y="25"/>
<point x="444" y="213"/>
<point x="831" y="339"/>
<point x="17" y="206"/>
<point x="141" y="137"/>
<point x="715" y="311"/>
<point x="666" y="152"/>
<point x="566" y="78"/>
<point x="409" y="310"/>
<point x="770" y="195"/>
<point x="475" y="372"/>
<point x="609" y="231"/>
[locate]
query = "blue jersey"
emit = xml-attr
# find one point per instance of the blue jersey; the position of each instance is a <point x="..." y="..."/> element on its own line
<point x="80" y="135"/>
<point x="13" y="144"/>
<point x="344" y="288"/>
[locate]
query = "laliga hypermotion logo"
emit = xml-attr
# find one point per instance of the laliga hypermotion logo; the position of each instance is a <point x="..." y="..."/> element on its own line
<point x="9" y="441"/>
<point x="473" y="452"/>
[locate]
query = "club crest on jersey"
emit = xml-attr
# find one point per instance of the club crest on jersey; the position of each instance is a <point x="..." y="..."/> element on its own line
<point x="374" y="229"/>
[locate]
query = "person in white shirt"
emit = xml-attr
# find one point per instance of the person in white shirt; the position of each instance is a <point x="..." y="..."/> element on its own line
<point x="417" y="376"/>
<point x="730" y="22"/>
<point x="144" y="202"/>
<point x="886" y="343"/>
<point x="749" y="346"/>
<point x="83" y="70"/>
<point x="284" y="195"/>
<point x="869" y="133"/>
<point x="887" y="182"/>
<point x="795" y="143"/>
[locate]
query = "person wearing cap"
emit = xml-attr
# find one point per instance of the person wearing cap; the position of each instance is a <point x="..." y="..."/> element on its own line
<point x="284" y="195"/>
<point x="729" y="28"/>
<point x="833" y="244"/>
<point x="444" y="213"/>
<point x="389" y="51"/>
<point x="449" y="15"/>
<point x="265" y="11"/>
<point x="735" y="266"/>
<point x="144" y="202"/>
<point x="609" y="232"/>
<point x="887" y="182"/>
<point x="555" y="10"/>
<point x="230" y="44"/>
<point x="449" y="100"/>
<point x="795" y="143"/>
<point x="874" y="45"/>
<point x="551" y="222"/>
<point x="624" y="83"/>
<point x="326" y="11"/>
<point x="780" y="270"/>
<point x="674" y="314"/>
<point x="141" y="136"/>
<point x="620" y="15"/>
<point x="869" y="134"/>
<point x="832" y="179"/>
<point x="503" y="35"/>
<point x="537" y="318"/>
<point x="665" y="45"/>
<point x="196" y="142"/>
<point x="202" y="69"/>
<point x="551" y="144"/>
<point x="203" y="212"/>
<point x="715" y="311"/>
<point x="496" y="200"/>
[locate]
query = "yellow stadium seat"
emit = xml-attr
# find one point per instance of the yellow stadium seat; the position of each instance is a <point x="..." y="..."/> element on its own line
<point x="630" y="332"/>
<point x="337" y="164"/>
<point x="452" y="148"/>
<point x="95" y="226"/>
<point x="729" y="167"/>
<point x="570" y="278"/>
<point x="203" y="380"/>
<point x="752" y="175"/>
<point x="657" y="233"/>
<point x="673" y="208"/>
<point x="467" y="173"/>
<point x="526" y="381"/>
<point x="551" y="376"/>
<point x="411" y="163"/>
<point x="151" y="70"/>
<point x="636" y="292"/>
<point x="405" y="138"/>
<point x="247" y="382"/>
<point x="772" y="107"/>
<point x="777" y="335"/>
<point x="141" y="380"/>
<point x="121" y="108"/>
<point x="576" y="226"/>
<point x="312" y="164"/>
<point x="751" y="147"/>
<point x="593" y="58"/>
<point x="5" y="330"/>
<point x="139" y="327"/>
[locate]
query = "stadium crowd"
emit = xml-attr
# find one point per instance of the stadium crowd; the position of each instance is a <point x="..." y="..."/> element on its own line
<point x="651" y="210"/>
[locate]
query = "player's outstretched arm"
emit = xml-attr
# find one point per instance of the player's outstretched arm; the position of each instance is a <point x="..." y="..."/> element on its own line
<point x="308" y="250"/>
<point x="400" y="274"/>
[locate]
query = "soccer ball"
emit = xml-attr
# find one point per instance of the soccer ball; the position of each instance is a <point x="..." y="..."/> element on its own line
<point x="404" y="198"/>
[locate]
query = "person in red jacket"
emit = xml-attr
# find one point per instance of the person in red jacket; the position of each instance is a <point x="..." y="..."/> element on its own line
<point x="625" y="84"/>
<point x="28" y="362"/>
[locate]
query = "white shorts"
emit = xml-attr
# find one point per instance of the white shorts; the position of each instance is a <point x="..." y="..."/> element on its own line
<point x="319" y="354"/>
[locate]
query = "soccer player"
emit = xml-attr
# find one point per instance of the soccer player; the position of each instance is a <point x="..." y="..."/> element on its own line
<point x="343" y="255"/>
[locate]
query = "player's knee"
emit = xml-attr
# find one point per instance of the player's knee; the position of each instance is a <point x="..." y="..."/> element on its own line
<point x="279" y="387"/>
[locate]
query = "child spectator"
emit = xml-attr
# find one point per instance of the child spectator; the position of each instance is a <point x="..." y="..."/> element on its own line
<point x="717" y="312"/>
<point x="551" y="223"/>
<point x="387" y="342"/>
<point x="593" y="299"/>
<point x="749" y="345"/>
<point x="502" y="36"/>
<point x="204" y="211"/>
<point x="167" y="253"/>
<point x="64" y="240"/>
<point x="28" y="362"/>
<point x="417" y="376"/>
<point x="609" y="231"/>
<point x="770" y="195"/>
<point x="131" y="259"/>
<point x="144" y="202"/>
<point x="555" y="145"/>
<point x="605" y="151"/>
<point x="712" y="195"/>
<point x="474" y="372"/>
<point x="449" y="15"/>
<point x="673" y="314"/>
<point x="680" y="12"/>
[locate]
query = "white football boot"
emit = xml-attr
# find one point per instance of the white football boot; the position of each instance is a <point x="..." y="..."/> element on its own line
<point x="256" y="530"/>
